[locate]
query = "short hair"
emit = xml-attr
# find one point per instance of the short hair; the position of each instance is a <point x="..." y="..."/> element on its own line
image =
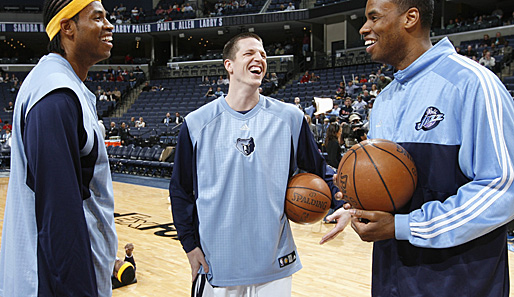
<point x="230" y="48"/>
<point x="425" y="7"/>
<point x="50" y="9"/>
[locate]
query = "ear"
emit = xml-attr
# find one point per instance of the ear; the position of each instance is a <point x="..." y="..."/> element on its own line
<point x="68" y="27"/>
<point x="228" y="66"/>
<point x="412" y="18"/>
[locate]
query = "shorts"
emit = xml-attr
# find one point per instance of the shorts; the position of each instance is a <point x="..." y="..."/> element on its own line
<point x="277" y="288"/>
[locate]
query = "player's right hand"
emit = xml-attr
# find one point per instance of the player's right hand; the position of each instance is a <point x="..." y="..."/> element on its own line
<point x="196" y="259"/>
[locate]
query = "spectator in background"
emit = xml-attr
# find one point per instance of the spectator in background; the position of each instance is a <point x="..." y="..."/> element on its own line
<point x="359" y="105"/>
<point x="116" y="94"/>
<point x="297" y="103"/>
<point x="351" y="89"/>
<point x="365" y="95"/>
<point x="335" y="112"/>
<point x="129" y="59"/>
<point x="333" y="144"/>
<point x="113" y="131"/>
<point x="347" y="109"/>
<point x="487" y="61"/>
<point x="383" y="81"/>
<point x="140" y="123"/>
<point x="314" y="77"/>
<point x="187" y="8"/>
<point x="372" y="77"/>
<point x="9" y="107"/>
<point x="178" y="118"/>
<point x="124" y="133"/>
<point x="450" y="25"/>
<point x="209" y="93"/>
<point x="132" y="122"/>
<point x="306" y="42"/>
<point x="206" y="81"/>
<point x="103" y="97"/>
<point x="312" y="127"/>
<point x="7" y="126"/>
<point x="305" y="78"/>
<point x="146" y="87"/>
<point x="219" y="92"/>
<point x="506" y="51"/>
<point x="341" y="91"/>
<point x="486" y="41"/>
<point x="290" y="7"/>
<point x="121" y="8"/>
<point x="499" y="39"/>
<point x="470" y="52"/>
<point x="132" y="80"/>
<point x="6" y="138"/>
<point x="134" y="15"/>
<point x="374" y="90"/>
<point x="167" y="120"/>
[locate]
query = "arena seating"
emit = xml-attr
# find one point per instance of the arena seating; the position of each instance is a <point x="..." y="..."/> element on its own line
<point x="138" y="160"/>
<point x="328" y="83"/>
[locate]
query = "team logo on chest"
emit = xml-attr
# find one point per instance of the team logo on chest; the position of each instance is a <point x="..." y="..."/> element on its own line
<point x="430" y="119"/>
<point x="245" y="146"/>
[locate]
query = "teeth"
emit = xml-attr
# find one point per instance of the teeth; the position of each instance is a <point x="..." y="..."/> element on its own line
<point x="107" y="38"/>
<point x="369" y="42"/>
<point x="255" y="69"/>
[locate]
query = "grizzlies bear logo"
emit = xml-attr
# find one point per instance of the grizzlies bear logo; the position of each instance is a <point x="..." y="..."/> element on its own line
<point x="245" y="146"/>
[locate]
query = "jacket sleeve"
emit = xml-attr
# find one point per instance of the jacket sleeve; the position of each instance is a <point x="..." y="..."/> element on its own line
<point x="52" y="136"/>
<point x="310" y="159"/>
<point x="183" y="205"/>
<point x="485" y="157"/>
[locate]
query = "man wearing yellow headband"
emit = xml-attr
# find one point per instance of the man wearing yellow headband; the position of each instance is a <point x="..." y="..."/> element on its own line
<point x="58" y="235"/>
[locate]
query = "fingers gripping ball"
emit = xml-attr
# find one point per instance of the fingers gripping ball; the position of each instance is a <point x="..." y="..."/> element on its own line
<point x="377" y="174"/>
<point x="308" y="198"/>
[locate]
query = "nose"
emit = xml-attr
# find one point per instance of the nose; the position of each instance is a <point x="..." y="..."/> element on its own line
<point x="108" y="25"/>
<point x="365" y="29"/>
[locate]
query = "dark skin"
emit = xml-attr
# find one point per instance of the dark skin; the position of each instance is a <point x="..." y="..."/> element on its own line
<point x="87" y="41"/>
<point x="396" y="38"/>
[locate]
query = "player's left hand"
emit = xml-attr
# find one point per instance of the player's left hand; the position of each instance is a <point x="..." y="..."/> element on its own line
<point x="372" y="225"/>
<point x="342" y="216"/>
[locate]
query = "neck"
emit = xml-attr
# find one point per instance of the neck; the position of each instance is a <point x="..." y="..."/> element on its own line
<point x="241" y="98"/>
<point x="79" y="66"/>
<point x="420" y="45"/>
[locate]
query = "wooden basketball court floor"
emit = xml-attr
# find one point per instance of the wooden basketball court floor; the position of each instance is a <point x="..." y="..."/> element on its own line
<point x="340" y="268"/>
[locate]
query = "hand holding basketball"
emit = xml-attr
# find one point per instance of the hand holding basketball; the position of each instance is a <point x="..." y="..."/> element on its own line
<point x="377" y="174"/>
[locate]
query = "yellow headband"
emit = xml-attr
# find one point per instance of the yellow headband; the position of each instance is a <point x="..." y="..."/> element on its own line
<point x="69" y="11"/>
<point x="122" y="268"/>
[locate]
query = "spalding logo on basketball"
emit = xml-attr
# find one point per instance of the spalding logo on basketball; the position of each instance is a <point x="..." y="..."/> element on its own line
<point x="377" y="174"/>
<point x="308" y="198"/>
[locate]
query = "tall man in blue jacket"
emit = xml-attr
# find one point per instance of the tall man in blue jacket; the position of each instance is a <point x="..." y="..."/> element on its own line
<point x="455" y="118"/>
<point x="58" y="236"/>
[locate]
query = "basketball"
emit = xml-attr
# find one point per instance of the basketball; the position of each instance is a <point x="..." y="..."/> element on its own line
<point x="377" y="174"/>
<point x="308" y="198"/>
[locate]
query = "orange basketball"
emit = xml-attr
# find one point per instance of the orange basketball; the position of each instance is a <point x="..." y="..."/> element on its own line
<point x="377" y="174"/>
<point x="308" y="198"/>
